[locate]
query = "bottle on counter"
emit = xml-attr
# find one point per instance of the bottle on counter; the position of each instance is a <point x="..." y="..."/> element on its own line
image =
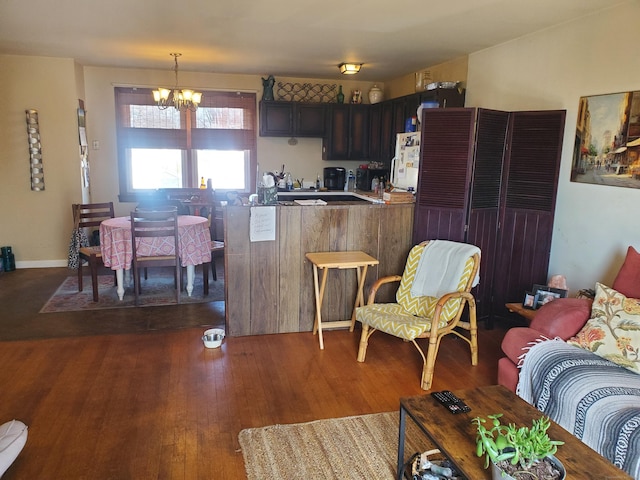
<point x="318" y="182"/>
<point x="375" y="183"/>
<point x="288" y="181"/>
<point x="202" y="184"/>
<point x="350" y="185"/>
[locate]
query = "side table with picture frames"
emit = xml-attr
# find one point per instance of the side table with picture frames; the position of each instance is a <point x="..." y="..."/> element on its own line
<point x="519" y="309"/>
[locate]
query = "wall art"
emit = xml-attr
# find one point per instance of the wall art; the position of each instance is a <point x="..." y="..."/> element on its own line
<point x="35" y="151"/>
<point x="607" y="142"/>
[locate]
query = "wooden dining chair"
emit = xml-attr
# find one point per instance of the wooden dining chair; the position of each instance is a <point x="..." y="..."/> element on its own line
<point x="88" y="216"/>
<point x="217" y="248"/>
<point x="154" y="224"/>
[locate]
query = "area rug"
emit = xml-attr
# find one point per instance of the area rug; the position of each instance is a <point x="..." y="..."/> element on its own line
<point x="359" y="447"/>
<point x="156" y="290"/>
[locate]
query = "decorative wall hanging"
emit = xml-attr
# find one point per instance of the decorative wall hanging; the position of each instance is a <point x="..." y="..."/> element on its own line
<point x="35" y="151"/>
<point x="84" y="148"/>
<point x="607" y="142"/>
<point x="307" y="92"/>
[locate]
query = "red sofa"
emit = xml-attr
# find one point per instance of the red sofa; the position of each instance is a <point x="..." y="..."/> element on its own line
<point x="562" y="318"/>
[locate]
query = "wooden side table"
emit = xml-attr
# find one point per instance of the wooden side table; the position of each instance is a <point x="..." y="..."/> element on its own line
<point x="520" y="310"/>
<point x="341" y="260"/>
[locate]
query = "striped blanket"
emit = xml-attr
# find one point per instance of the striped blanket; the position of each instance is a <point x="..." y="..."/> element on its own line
<point x="596" y="400"/>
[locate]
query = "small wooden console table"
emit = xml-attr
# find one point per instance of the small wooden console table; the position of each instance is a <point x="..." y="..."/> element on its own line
<point x="527" y="313"/>
<point x="341" y="260"/>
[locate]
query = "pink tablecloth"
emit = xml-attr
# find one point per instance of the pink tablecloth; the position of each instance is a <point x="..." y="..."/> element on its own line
<point x="194" y="242"/>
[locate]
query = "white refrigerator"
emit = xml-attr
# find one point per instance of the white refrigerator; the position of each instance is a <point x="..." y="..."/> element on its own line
<point x="406" y="162"/>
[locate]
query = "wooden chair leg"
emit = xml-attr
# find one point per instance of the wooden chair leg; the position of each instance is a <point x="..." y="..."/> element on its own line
<point x="136" y="287"/>
<point x="473" y="333"/>
<point x="93" y="268"/>
<point x="213" y="267"/>
<point x="205" y="277"/>
<point x="364" y="342"/>
<point x="80" y="274"/>
<point x="429" y="363"/>
<point x="179" y="283"/>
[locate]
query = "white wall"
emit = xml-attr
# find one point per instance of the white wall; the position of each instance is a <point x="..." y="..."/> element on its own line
<point x="552" y="69"/>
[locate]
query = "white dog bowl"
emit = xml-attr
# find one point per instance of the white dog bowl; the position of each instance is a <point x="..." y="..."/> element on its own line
<point x="213" y="337"/>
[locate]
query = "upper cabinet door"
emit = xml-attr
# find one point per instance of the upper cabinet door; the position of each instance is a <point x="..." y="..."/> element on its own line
<point x="335" y="146"/>
<point x="359" y="132"/>
<point x="347" y="133"/>
<point x="292" y="119"/>
<point x="310" y="119"/>
<point x="276" y="119"/>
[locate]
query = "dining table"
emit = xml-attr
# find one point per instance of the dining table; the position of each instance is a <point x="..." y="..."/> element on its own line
<point x="194" y="245"/>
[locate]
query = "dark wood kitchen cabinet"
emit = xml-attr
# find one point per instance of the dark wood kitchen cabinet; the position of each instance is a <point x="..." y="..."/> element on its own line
<point x="489" y="178"/>
<point x="375" y="130"/>
<point x="347" y="133"/>
<point x="395" y="112"/>
<point x="292" y="119"/>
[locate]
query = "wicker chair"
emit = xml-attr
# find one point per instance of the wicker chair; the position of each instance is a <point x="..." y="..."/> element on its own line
<point x="423" y="316"/>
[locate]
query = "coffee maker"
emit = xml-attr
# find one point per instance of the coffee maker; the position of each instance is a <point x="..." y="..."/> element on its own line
<point x="334" y="178"/>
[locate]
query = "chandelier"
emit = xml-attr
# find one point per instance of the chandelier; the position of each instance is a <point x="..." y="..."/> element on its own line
<point x="180" y="99"/>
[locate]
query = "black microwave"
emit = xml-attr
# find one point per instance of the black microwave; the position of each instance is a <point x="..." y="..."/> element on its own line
<point x="364" y="176"/>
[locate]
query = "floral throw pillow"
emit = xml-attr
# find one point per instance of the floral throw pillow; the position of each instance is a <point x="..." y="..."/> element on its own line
<point x="613" y="332"/>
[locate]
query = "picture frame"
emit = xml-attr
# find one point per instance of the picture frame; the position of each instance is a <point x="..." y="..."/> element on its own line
<point x="607" y="142"/>
<point x="529" y="300"/>
<point x="544" y="294"/>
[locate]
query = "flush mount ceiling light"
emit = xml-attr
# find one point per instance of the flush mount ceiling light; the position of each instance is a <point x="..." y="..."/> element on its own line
<point x="180" y="99"/>
<point x="349" y="68"/>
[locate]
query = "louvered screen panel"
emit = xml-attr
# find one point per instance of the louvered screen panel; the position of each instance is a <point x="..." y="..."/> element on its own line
<point x="438" y="224"/>
<point x="483" y="232"/>
<point x="491" y="132"/>
<point x="445" y="151"/>
<point x="535" y="146"/>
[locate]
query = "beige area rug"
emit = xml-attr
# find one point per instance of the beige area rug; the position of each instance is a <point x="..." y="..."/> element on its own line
<point x="360" y="447"/>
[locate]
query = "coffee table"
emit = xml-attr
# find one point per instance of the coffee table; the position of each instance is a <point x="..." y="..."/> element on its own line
<point x="455" y="435"/>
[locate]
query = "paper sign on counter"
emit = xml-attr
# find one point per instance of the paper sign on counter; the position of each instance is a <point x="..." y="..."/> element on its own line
<point x="262" y="224"/>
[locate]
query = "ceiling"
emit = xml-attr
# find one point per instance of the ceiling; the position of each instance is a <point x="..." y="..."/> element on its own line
<point x="302" y="38"/>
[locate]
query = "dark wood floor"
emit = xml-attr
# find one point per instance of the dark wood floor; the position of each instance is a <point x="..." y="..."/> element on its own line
<point x="113" y="395"/>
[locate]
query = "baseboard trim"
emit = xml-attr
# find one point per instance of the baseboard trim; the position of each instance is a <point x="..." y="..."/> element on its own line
<point x="42" y="264"/>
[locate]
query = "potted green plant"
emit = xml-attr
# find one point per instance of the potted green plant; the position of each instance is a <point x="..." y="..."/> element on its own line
<point x="520" y="453"/>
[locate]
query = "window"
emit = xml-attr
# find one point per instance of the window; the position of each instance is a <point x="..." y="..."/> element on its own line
<point x="172" y="149"/>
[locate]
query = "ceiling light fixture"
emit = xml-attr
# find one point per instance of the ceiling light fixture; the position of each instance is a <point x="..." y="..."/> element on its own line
<point x="349" y="68"/>
<point x="180" y="99"/>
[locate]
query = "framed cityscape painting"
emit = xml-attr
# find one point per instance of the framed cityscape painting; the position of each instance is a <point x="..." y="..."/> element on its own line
<point x="607" y="142"/>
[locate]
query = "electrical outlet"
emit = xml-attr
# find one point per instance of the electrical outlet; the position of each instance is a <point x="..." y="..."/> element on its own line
<point x="96" y="145"/>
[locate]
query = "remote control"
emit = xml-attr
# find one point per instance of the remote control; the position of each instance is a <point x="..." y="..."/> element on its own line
<point x="450" y="401"/>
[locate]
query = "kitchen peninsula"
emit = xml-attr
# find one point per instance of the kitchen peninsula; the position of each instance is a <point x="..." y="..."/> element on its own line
<point x="269" y="284"/>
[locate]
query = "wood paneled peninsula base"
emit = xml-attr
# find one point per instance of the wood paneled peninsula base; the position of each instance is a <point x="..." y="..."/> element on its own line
<point x="455" y="435"/>
<point x="269" y="284"/>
